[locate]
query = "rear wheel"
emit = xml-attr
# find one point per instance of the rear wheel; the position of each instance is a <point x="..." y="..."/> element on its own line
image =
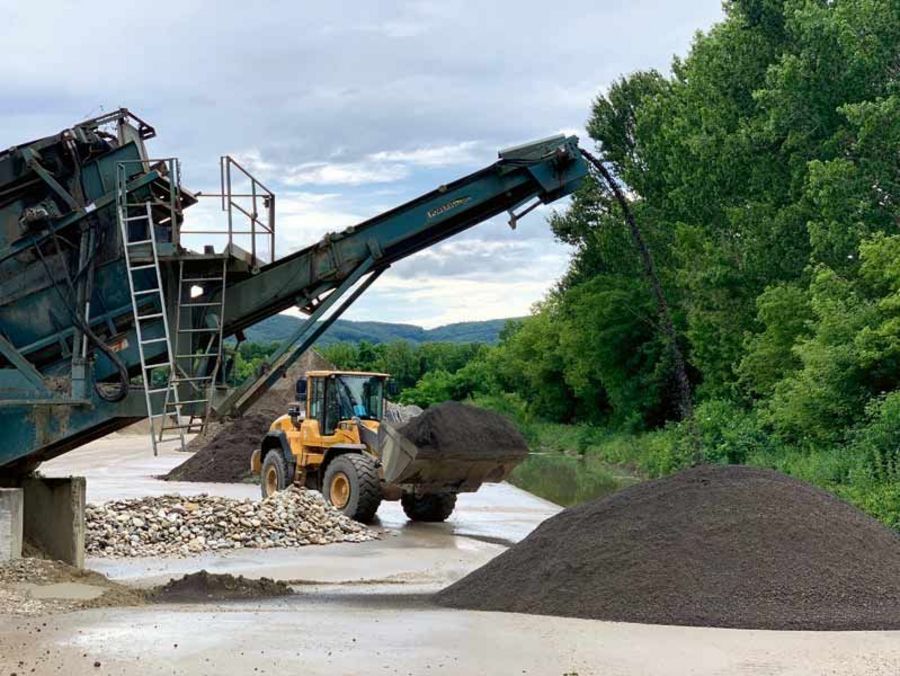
<point x="352" y="485"/>
<point x="273" y="476"/>
<point x="431" y="507"/>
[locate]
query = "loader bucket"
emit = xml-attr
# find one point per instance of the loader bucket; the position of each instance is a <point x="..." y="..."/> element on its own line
<point x="436" y="467"/>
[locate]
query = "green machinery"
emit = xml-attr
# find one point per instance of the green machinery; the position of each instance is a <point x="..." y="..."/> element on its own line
<point x="108" y="316"/>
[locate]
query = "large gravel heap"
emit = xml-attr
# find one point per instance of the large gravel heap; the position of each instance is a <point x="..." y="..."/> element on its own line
<point x="720" y="546"/>
<point x="222" y="452"/>
<point x="176" y="525"/>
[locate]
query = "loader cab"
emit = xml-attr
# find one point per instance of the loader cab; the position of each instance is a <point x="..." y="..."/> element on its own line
<point x="330" y="397"/>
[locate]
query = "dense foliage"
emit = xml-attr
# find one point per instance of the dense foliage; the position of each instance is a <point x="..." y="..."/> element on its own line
<point x="764" y="173"/>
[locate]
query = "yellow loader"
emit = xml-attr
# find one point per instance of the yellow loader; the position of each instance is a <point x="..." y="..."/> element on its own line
<point x="335" y="439"/>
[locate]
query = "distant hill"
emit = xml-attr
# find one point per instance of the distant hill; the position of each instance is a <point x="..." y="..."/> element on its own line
<point x="280" y="327"/>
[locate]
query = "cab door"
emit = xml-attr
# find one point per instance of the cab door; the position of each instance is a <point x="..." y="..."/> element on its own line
<point x="324" y="412"/>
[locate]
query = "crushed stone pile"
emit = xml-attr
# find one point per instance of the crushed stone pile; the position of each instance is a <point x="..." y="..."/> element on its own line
<point x="452" y="429"/>
<point x="204" y="586"/>
<point x="400" y="413"/>
<point x="181" y="526"/>
<point x="222" y="453"/>
<point x="720" y="546"/>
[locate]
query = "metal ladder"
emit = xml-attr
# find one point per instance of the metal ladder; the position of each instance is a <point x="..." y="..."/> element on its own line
<point x="140" y="295"/>
<point x="197" y="368"/>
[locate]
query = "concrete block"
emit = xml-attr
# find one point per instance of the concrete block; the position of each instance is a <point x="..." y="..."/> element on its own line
<point x="11" y="501"/>
<point x="54" y="516"/>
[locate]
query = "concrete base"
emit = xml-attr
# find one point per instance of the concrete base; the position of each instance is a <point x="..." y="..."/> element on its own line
<point x="54" y="517"/>
<point x="10" y="523"/>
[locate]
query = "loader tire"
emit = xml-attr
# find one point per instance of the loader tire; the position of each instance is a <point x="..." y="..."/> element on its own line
<point x="273" y="474"/>
<point x="431" y="507"/>
<point x="352" y="485"/>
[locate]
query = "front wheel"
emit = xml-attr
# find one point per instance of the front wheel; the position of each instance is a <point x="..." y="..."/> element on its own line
<point x="351" y="484"/>
<point x="431" y="507"/>
<point x="273" y="476"/>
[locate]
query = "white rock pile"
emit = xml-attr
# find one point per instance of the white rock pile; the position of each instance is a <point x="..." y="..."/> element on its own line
<point x="181" y="526"/>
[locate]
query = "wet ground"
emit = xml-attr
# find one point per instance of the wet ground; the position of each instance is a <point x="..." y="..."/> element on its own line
<point x="365" y="608"/>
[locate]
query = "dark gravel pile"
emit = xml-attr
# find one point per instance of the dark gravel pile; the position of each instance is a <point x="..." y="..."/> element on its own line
<point x="452" y="429"/>
<point x="205" y="586"/>
<point x="222" y="452"/>
<point x="225" y="457"/>
<point x="720" y="546"/>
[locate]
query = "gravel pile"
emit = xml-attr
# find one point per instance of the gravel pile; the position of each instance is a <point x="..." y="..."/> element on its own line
<point x="222" y="452"/>
<point x="719" y="546"/>
<point x="204" y="586"/>
<point x="225" y="457"/>
<point x="398" y="413"/>
<point x="181" y="526"/>
<point x="453" y="430"/>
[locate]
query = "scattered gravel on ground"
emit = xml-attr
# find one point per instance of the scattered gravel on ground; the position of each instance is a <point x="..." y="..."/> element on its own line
<point x="204" y="586"/>
<point x="719" y="546"/>
<point x="182" y="526"/>
<point x="21" y="577"/>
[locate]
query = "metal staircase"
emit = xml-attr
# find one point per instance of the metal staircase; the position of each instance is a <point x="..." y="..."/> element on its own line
<point x="199" y="367"/>
<point x="137" y="227"/>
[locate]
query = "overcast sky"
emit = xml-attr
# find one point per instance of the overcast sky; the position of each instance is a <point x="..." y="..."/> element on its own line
<point x="346" y="109"/>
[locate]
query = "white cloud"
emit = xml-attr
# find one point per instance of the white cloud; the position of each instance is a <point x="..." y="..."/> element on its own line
<point x="433" y="156"/>
<point x="430" y="302"/>
<point x="345" y="173"/>
<point x="385" y="166"/>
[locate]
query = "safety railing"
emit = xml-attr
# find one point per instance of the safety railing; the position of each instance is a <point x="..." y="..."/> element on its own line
<point x="250" y="209"/>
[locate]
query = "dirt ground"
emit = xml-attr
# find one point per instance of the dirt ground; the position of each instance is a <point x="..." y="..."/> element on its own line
<point x="34" y="587"/>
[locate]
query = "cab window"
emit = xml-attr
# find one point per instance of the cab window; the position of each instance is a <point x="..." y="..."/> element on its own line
<point x="332" y="412"/>
<point x="315" y="399"/>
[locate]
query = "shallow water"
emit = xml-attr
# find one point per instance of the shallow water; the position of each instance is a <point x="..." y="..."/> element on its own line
<point x="568" y="479"/>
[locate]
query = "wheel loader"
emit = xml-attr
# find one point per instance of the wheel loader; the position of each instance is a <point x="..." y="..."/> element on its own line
<point x="336" y="439"/>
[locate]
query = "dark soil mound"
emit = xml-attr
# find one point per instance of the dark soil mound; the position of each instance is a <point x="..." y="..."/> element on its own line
<point x="222" y="452"/>
<point x="205" y="586"/>
<point x="226" y="456"/>
<point x="720" y="546"/>
<point x="452" y="428"/>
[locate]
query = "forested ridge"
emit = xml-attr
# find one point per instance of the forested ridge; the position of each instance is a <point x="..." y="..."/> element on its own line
<point x="280" y="327"/>
<point x="764" y="174"/>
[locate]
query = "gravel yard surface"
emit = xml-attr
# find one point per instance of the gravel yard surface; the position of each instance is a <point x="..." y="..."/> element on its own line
<point x="31" y="586"/>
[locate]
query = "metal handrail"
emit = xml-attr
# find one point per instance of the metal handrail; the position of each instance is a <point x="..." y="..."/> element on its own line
<point x="262" y="200"/>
